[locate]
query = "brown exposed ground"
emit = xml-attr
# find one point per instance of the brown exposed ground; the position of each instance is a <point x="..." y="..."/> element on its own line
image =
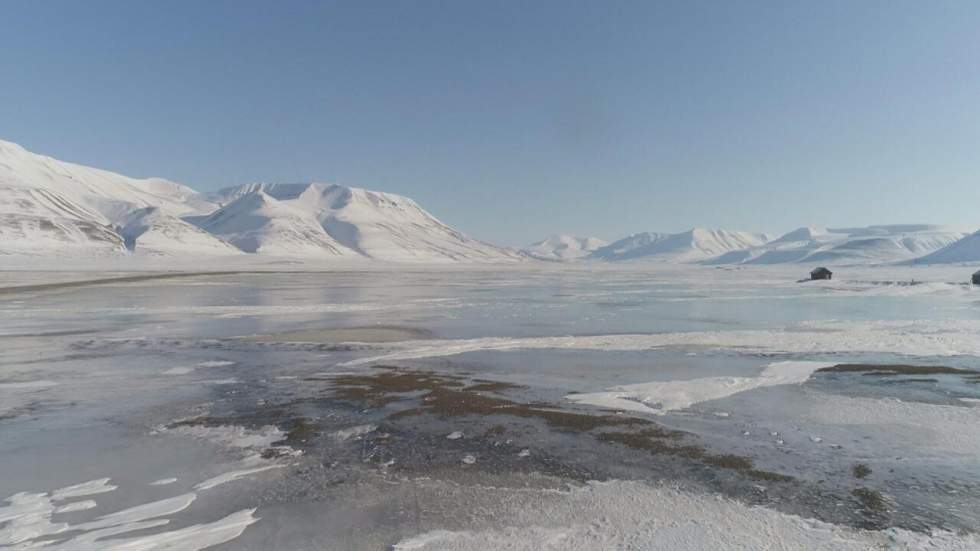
<point x="895" y="369"/>
<point x="106" y="281"/>
<point x="446" y="396"/>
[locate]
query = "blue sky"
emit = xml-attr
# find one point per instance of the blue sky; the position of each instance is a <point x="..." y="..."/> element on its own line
<point x="513" y="120"/>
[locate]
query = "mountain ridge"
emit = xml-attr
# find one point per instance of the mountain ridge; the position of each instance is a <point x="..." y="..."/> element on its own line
<point x="57" y="208"/>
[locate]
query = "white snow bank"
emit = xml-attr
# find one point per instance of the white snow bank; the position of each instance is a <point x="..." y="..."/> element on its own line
<point x="92" y="487"/>
<point x="635" y="515"/>
<point x="353" y="432"/>
<point x="231" y="476"/>
<point x="163" y="482"/>
<point x="913" y="338"/>
<point x="661" y="397"/>
<point x="185" y="369"/>
<point x="231" y="436"/>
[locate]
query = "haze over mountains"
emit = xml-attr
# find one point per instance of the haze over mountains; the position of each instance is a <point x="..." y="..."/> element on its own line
<point x="54" y="208"/>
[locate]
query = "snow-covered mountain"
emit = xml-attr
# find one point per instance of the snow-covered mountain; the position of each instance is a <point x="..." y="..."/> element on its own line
<point x="697" y="244"/>
<point x="337" y="220"/>
<point x="870" y="245"/>
<point x="49" y="206"/>
<point x="53" y="207"/>
<point x="564" y="247"/>
<point x="258" y="223"/>
<point x="966" y="249"/>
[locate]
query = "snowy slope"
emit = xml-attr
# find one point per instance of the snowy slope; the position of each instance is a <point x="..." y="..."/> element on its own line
<point x="258" y="223"/>
<point x="49" y="206"/>
<point x="564" y="247"/>
<point x="103" y="191"/>
<point x="350" y="221"/>
<point x="966" y="249"/>
<point x="694" y="245"/>
<point x="628" y="247"/>
<point x="870" y="245"/>
<point x="34" y="221"/>
<point x="150" y="230"/>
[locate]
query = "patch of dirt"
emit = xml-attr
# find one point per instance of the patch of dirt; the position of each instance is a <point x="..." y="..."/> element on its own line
<point x="895" y="369"/>
<point x="447" y="396"/>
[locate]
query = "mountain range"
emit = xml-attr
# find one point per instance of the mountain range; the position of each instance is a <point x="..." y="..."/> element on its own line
<point x="55" y="208"/>
<point x="870" y="245"/>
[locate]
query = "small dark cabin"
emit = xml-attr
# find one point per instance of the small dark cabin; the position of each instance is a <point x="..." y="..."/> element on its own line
<point x="824" y="273"/>
<point x="976" y="278"/>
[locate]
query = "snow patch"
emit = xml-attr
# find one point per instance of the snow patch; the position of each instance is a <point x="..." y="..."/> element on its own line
<point x="662" y="397"/>
<point x="163" y="482"/>
<point x="912" y="338"/>
<point x="354" y="432"/>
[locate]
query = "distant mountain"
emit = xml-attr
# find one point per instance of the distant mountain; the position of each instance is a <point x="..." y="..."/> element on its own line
<point x="564" y="247"/>
<point x="870" y="245"/>
<point x="697" y="244"/>
<point x="258" y="223"/>
<point x="966" y="249"/>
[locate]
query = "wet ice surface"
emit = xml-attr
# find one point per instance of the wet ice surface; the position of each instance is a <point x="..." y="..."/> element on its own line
<point x="210" y="404"/>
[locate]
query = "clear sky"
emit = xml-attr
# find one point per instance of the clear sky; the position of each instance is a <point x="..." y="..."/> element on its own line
<point x="512" y="120"/>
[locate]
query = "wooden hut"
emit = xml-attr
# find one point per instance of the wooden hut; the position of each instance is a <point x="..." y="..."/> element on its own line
<point x="821" y="273"/>
<point x="976" y="277"/>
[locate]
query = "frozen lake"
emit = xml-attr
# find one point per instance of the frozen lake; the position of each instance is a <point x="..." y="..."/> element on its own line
<point x="637" y="407"/>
